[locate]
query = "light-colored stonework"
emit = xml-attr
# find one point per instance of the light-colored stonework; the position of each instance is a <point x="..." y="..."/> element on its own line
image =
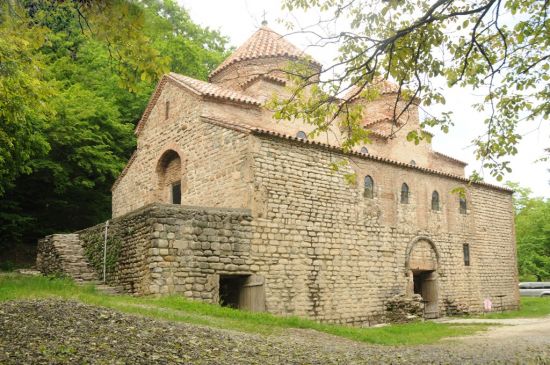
<point x="263" y="207"/>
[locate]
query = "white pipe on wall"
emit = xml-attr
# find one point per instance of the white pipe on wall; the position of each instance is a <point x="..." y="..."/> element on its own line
<point x="105" y="253"/>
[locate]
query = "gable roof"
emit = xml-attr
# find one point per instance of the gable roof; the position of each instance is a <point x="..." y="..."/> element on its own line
<point x="272" y="78"/>
<point x="203" y="88"/>
<point x="450" y="158"/>
<point x="197" y="87"/>
<point x="262" y="44"/>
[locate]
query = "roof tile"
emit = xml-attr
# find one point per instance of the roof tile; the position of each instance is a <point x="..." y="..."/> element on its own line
<point x="262" y="44"/>
<point x="213" y="90"/>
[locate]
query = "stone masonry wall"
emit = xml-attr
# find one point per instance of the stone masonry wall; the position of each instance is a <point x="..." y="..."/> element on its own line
<point x="329" y="253"/>
<point x="192" y="246"/>
<point x="169" y="249"/>
<point x="48" y="261"/>
<point x="134" y="232"/>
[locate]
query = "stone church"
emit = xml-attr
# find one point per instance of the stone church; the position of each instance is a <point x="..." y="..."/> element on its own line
<point x="222" y="203"/>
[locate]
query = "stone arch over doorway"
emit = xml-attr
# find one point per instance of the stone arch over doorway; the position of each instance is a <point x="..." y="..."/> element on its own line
<point x="169" y="177"/>
<point x="421" y="254"/>
<point x="421" y="265"/>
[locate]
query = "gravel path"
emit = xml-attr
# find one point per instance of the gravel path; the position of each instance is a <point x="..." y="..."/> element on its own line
<point x="69" y="332"/>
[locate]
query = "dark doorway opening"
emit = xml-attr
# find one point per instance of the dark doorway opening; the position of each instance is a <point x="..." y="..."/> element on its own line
<point x="231" y="287"/>
<point x="242" y="292"/>
<point x="425" y="284"/>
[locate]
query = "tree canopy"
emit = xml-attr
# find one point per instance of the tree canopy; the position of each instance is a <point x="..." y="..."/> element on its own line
<point x="75" y="77"/>
<point x="532" y="234"/>
<point x="499" y="47"/>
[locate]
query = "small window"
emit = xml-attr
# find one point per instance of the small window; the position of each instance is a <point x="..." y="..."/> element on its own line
<point x="413" y="162"/>
<point x="301" y="135"/>
<point x="364" y="150"/>
<point x="404" y="194"/>
<point x="176" y="193"/>
<point x="466" y="250"/>
<point x="463" y="205"/>
<point x="435" y="201"/>
<point x="167" y="110"/>
<point x="369" y="187"/>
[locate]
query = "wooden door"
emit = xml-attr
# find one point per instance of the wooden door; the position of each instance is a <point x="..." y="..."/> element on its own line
<point x="252" y="294"/>
<point x="429" y="294"/>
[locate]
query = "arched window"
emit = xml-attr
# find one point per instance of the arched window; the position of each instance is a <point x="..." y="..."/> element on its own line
<point x="364" y="150"/>
<point x="413" y="162"/>
<point x="169" y="177"/>
<point x="463" y="205"/>
<point x="369" y="187"/>
<point x="435" y="200"/>
<point x="301" y="135"/>
<point x="404" y="194"/>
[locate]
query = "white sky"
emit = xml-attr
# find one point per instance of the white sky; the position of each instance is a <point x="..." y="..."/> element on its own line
<point x="238" y="19"/>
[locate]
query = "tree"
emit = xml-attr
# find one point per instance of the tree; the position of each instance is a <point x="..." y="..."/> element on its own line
<point x="497" y="46"/>
<point x="532" y="233"/>
<point x="23" y="96"/>
<point x="76" y="92"/>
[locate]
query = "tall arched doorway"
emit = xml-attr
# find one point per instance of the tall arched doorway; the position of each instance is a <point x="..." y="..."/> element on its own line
<point x="169" y="177"/>
<point x="422" y="261"/>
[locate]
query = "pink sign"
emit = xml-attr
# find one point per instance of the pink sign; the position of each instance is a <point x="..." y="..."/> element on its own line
<point x="488" y="305"/>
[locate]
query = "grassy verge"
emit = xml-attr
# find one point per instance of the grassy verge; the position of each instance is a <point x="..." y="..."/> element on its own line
<point x="176" y="308"/>
<point x="529" y="308"/>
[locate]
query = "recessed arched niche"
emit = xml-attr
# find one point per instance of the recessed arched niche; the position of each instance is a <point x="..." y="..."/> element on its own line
<point x="169" y="172"/>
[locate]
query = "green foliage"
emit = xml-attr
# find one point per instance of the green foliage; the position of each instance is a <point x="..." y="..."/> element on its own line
<point x="23" y="95"/>
<point x="93" y="250"/>
<point x="499" y="48"/>
<point x="7" y="266"/>
<point x="75" y="78"/>
<point x="192" y="50"/>
<point x="532" y="233"/>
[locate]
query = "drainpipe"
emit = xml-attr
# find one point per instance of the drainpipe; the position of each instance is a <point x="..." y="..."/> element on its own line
<point x="105" y="254"/>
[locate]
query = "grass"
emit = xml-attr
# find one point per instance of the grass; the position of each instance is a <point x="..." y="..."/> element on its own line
<point x="179" y="309"/>
<point x="529" y="307"/>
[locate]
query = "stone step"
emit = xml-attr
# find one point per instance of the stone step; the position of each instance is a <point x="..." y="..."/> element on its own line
<point x="73" y="261"/>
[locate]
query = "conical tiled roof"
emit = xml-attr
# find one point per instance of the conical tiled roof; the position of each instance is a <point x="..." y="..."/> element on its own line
<point x="262" y="44"/>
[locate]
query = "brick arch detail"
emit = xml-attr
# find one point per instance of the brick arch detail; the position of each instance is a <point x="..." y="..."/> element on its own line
<point x="160" y="193"/>
<point x="410" y="248"/>
<point x="167" y="147"/>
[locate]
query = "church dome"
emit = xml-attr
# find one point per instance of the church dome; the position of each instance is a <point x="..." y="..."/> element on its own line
<point x="263" y="52"/>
